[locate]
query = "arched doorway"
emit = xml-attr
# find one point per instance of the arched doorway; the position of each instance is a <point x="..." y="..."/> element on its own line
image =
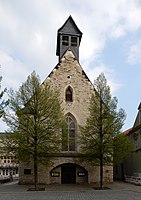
<point x="68" y="174"/>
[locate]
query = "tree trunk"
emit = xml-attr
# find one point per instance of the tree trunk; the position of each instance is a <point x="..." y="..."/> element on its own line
<point x="101" y="144"/>
<point x="101" y="172"/>
<point x="35" y="162"/>
<point x="35" y="173"/>
<point x="35" y="155"/>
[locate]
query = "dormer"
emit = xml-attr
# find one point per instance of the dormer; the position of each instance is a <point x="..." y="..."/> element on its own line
<point x="68" y="37"/>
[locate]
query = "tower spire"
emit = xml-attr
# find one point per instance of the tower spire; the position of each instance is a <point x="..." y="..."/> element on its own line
<point x="68" y="37"/>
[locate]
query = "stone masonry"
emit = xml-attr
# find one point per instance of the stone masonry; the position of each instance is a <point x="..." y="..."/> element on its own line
<point x="75" y="90"/>
<point x="68" y="72"/>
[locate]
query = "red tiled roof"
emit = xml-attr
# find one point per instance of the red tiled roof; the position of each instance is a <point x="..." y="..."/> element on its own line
<point x="127" y="131"/>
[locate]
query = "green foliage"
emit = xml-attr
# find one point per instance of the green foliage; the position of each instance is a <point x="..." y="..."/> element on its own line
<point x="122" y="147"/>
<point x="35" y="119"/>
<point x="102" y="124"/>
<point x="3" y="103"/>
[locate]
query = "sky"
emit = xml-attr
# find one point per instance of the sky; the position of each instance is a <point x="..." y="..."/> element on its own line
<point x="111" y="43"/>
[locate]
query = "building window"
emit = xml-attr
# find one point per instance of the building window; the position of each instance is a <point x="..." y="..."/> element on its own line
<point x="69" y="94"/>
<point x="27" y="171"/>
<point x="69" y="40"/>
<point x="69" y="136"/>
<point x="74" y="41"/>
<point x="7" y="172"/>
<point x="65" y="40"/>
<point x="17" y="171"/>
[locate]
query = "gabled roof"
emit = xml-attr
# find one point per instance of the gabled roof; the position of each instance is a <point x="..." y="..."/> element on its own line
<point x="139" y="106"/>
<point x="137" y="122"/>
<point x="58" y="66"/>
<point x="127" y="131"/>
<point x="69" y="27"/>
<point x="138" y="117"/>
<point x="70" y="21"/>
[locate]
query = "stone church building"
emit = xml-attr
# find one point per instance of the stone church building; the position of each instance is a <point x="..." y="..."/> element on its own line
<point x="75" y="90"/>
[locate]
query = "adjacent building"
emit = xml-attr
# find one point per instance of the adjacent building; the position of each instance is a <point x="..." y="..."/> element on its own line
<point x="9" y="165"/>
<point x="133" y="162"/>
<point x="131" y="166"/>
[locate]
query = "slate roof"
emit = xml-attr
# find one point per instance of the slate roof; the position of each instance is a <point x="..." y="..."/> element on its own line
<point x="69" y="27"/>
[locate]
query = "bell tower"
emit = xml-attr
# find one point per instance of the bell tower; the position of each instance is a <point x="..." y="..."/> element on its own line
<point x="68" y="37"/>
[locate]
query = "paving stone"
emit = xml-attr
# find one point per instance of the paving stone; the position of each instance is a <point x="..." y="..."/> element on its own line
<point x="118" y="191"/>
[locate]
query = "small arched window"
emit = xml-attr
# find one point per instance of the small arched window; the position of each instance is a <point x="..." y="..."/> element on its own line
<point x="69" y="94"/>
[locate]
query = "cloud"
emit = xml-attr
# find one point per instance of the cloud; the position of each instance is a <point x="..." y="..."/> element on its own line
<point x="29" y="27"/>
<point x="105" y="21"/>
<point x="11" y="68"/>
<point x="109" y="73"/>
<point x="28" y="35"/>
<point x="127" y="18"/>
<point x="134" y="53"/>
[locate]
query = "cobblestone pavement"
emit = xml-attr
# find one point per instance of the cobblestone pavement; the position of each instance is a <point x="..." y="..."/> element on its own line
<point x="117" y="191"/>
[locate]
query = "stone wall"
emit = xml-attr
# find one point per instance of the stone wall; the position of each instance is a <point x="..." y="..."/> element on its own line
<point x="68" y="72"/>
<point x="45" y="177"/>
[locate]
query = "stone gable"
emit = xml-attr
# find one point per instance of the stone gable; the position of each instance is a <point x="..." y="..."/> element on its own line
<point x="68" y="72"/>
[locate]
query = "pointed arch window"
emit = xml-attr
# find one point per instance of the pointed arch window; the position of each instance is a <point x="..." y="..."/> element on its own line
<point x="69" y="94"/>
<point x="69" y="136"/>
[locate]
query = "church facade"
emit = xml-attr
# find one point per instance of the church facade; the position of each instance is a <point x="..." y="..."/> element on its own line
<point x="75" y="92"/>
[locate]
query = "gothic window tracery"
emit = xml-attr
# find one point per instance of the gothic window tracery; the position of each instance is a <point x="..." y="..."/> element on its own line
<point x="69" y="137"/>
